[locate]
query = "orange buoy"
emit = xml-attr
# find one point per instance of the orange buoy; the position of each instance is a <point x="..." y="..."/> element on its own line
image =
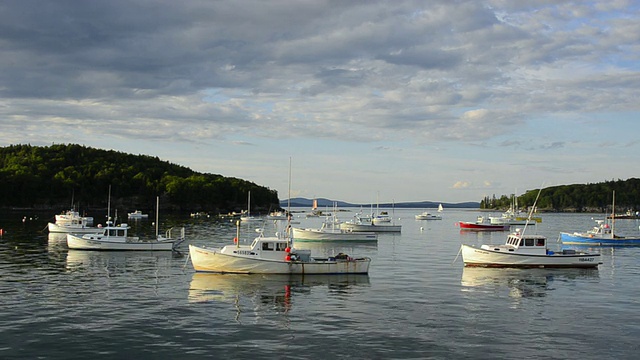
<point x="235" y="240"/>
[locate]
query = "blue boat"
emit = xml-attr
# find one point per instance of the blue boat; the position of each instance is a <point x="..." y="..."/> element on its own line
<point x="601" y="235"/>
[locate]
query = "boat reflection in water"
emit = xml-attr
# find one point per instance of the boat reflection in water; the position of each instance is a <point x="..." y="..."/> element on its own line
<point x="266" y="291"/>
<point x="520" y="283"/>
<point x="114" y="262"/>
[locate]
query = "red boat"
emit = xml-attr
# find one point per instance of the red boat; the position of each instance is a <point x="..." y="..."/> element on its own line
<point x="480" y="225"/>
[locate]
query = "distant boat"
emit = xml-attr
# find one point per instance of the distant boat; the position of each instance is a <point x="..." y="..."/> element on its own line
<point x="428" y="216"/>
<point x="601" y="235"/>
<point x="329" y="232"/>
<point x="481" y="225"/>
<point x="116" y="237"/>
<point x="247" y="216"/>
<point x="137" y="215"/>
<point x="440" y="208"/>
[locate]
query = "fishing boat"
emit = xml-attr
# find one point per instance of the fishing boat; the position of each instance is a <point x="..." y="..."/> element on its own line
<point x="527" y="251"/>
<point x="359" y="225"/>
<point x="482" y="225"/>
<point x="602" y="234"/>
<point x="428" y="216"/>
<point x="272" y="255"/>
<point x="329" y="232"/>
<point x="116" y="237"/>
<point x="137" y="215"/>
<point x="77" y="225"/>
<point x="72" y="215"/>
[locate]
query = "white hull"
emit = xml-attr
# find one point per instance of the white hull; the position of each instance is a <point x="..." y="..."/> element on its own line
<point x="95" y="243"/>
<point x="370" y="227"/>
<point x="332" y="235"/>
<point x="72" y="228"/>
<point x="212" y="260"/>
<point x="472" y="256"/>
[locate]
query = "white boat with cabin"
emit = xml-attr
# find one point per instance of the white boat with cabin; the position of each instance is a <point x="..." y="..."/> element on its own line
<point x="115" y="237"/>
<point x="77" y="225"/>
<point x="530" y="251"/>
<point x="137" y="215"/>
<point x="330" y="232"/>
<point x="272" y="255"/>
<point x="428" y="216"/>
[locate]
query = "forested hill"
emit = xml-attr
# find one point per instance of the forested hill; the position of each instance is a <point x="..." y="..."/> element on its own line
<point x="577" y="197"/>
<point x="52" y="177"/>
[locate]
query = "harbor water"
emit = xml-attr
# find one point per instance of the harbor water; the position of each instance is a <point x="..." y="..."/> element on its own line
<point x="418" y="301"/>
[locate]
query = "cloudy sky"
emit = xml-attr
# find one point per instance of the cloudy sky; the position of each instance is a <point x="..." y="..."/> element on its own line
<point x="397" y="100"/>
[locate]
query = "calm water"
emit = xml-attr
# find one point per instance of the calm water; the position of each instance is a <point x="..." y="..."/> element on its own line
<point x="416" y="302"/>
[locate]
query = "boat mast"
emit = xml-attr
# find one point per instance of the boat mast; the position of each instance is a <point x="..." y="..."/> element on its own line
<point x="157" y="210"/>
<point x="613" y="215"/>
<point x="288" y="232"/>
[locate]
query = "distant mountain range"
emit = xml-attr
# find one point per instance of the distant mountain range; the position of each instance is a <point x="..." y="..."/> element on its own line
<point x="327" y="203"/>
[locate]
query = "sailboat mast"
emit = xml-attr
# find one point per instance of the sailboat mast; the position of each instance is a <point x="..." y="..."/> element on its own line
<point x="157" y="211"/>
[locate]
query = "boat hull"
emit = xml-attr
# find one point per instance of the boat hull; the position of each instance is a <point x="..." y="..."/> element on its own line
<point x="341" y="235"/>
<point x="72" y="229"/>
<point x="80" y="243"/>
<point x="212" y="260"/>
<point x="578" y="239"/>
<point x="472" y="256"/>
<point x="482" y="227"/>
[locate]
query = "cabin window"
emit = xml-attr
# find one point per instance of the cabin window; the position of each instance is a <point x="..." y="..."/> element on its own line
<point x="281" y="246"/>
<point x="529" y="242"/>
<point x="267" y="246"/>
<point x="540" y="242"/>
<point x="521" y="242"/>
<point x="120" y="232"/>
<point x="112" y="232"/>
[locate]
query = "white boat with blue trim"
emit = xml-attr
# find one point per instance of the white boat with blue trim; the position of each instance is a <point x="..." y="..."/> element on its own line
<point x="528" y="251"/>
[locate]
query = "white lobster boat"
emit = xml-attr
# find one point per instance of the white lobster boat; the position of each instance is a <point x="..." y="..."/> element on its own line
<point x="76" y="225"/>
<point x="115" y="237"/>
<point x="272" y="255"/>
<point x="528" y="251"/>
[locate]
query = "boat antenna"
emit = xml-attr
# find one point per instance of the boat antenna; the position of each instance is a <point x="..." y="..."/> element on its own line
<point x="532" y="208"/>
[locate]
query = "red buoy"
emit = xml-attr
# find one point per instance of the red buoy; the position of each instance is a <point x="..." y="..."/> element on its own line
<point x="287" y="249"/>
<point x="287" y="258"/>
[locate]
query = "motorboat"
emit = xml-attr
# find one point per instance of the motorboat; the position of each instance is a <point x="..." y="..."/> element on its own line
<point x="272" y="255"/>
<point x="601" y="235"/>
<point x="358" y="224"/>
<point x="115" y="237"/>
<point x="329" y="232"/>
<point x="137" y="215"/>
<point x="428" y="216"/>
<point x="526" y="250"/>
<point x="482" y="225"/>
<point x="72" y="215"/>
<point x="77" y="225"/>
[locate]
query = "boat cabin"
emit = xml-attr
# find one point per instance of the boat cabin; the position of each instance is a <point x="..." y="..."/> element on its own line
<point x="268" y="248"/>
<point x="522" y="244"/>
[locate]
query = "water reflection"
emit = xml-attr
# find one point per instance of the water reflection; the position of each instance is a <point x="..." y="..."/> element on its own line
<point x="117" y="262"/>
<point x="262" y="293"/>
<point x="521" y="283"/>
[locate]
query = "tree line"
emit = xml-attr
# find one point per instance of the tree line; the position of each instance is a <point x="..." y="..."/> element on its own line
<point x="57" y="175"/>
<point x="596" y="197"/>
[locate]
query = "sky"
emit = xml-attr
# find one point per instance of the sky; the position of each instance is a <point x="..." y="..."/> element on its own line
<point x="446" y="101"/>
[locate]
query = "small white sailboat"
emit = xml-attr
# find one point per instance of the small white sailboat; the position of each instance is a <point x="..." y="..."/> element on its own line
<point x="247" y="216"/>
